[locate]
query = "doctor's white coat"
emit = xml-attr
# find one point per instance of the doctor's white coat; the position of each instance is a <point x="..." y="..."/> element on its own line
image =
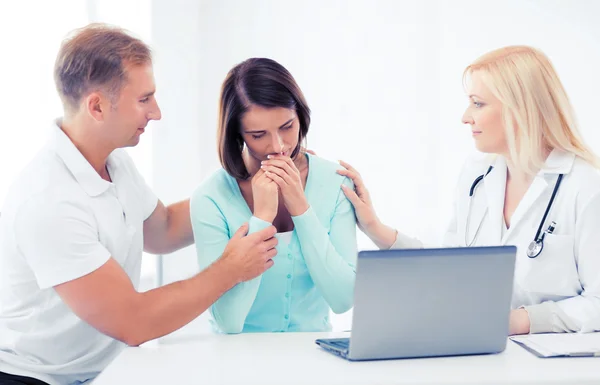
<point x="561" y="287"/>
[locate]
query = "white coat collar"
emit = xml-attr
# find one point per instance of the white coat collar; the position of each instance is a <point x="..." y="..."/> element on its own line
<point x="495" y="186"/>
<point x="558" y="162"/>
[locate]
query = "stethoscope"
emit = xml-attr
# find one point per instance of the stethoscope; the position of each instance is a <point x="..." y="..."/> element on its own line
<point x="535" y="247"/>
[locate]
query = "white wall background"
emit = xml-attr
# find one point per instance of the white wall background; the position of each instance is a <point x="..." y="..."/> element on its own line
<point x="31" y="32"/>
<point x="29" y="41"/>
<point x="383" y="78"/>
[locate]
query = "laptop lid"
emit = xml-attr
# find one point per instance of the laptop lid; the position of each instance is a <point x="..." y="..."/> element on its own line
<point x="431" y="302"/>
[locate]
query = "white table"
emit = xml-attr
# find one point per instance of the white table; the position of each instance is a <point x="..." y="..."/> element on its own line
<point x="294" y="358"/>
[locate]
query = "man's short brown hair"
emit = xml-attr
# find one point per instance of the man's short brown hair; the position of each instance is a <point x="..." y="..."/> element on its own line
<point x="95" y="57"/>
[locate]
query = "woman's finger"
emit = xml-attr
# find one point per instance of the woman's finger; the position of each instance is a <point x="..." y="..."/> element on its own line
<point x="287" y="160"/>
<point x="352" y="197"/>
<point x="282" y="164"/>
<point x="276" y="178"/>
<point x="348" y="166"/>
<point x="279" y="172"/>
<point x="359" y="185"/>
<point x="350" y="174"/>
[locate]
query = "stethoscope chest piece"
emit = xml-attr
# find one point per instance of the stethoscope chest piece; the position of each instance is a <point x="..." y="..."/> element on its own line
<point x="537" y="245"/>
<point x="534" y="249"/>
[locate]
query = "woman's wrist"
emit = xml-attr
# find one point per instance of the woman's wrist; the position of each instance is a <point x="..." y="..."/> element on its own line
<point x="519" y="322"/>
<point x="382" y="235"/>
<point x="265" y="216"/>
<point x="299" y="207"/>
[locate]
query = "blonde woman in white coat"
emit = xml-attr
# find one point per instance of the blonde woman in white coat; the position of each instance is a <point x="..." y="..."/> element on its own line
<point x="519" y="113"/>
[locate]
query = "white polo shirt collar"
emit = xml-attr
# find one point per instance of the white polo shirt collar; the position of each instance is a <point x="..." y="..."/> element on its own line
<point x="91" y="182"/>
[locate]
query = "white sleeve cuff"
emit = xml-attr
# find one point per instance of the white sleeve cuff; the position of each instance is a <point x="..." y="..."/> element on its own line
<point x="548" y="317"/>
<point x="406" y="242"/>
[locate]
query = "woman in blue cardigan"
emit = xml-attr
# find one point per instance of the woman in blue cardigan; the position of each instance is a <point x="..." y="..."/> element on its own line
<point x="268" y="179"/>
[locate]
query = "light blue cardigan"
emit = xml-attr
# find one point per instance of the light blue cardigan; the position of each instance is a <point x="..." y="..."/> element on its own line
<point x="311" y="274"/>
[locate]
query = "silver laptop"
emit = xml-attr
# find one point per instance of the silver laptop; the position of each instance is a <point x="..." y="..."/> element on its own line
<point x="429" y="302"/>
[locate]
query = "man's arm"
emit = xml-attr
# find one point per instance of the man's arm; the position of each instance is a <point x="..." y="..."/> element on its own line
<point x="118" y="310"/>
<point x="169" y="228"/>
<point x="107" y="300"/>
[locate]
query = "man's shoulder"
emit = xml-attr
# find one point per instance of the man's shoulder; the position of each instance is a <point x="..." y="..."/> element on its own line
<point x="122" y="160"/>
<point x="43" y="183"/>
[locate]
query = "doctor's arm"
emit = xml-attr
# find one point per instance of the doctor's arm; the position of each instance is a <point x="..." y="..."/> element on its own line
<point x="580" y="313"/>
<point x="211" y="233"/>
<point x="382" y="235"/>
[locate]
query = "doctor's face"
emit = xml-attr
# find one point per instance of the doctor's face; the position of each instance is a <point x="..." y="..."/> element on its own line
<point x="484" y="115"/>
<point x="270" y="131"/>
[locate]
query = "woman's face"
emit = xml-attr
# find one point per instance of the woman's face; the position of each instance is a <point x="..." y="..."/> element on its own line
<point x="484" y="115"/>
<point x="270" y="131"/>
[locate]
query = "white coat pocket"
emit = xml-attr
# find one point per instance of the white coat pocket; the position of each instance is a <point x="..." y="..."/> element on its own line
<point x="553" y="271"/>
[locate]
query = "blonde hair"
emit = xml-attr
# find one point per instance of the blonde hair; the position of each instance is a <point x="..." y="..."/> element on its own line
<point x="537" y="114"/>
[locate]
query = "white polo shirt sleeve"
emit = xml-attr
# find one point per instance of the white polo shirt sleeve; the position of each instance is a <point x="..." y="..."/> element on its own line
<point x="148" y="199"/>
<point x="59" y="240"/>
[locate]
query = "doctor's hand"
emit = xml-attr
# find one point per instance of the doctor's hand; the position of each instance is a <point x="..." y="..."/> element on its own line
<point x="368" y="222"/>
<point x="518" y="322"/>
<point x="265" y="195"/>
<point x="282" y="170"/>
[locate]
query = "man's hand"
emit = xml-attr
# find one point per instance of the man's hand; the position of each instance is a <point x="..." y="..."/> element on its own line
<point x="249" y="256"/>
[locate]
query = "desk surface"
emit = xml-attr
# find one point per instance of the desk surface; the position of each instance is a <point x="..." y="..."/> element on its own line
<point x="294" y="358"/>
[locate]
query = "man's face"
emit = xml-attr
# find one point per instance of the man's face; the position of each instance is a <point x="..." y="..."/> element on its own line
<point x="136" y="105"/>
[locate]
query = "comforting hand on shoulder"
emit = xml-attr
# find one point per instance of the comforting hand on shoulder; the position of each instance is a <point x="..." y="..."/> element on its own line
<point x="282" y="170"/>
<point x="383" y="236"/>
<point x="360" y="198"/>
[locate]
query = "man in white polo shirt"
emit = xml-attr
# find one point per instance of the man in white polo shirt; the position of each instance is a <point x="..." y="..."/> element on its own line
<point x="76" y="220"/>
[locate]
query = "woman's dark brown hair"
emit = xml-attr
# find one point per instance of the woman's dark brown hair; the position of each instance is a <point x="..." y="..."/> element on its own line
<point x="259" y="82"/>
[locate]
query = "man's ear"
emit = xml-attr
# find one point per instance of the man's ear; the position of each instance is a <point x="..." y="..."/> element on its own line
<point x="95" y="105"/>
